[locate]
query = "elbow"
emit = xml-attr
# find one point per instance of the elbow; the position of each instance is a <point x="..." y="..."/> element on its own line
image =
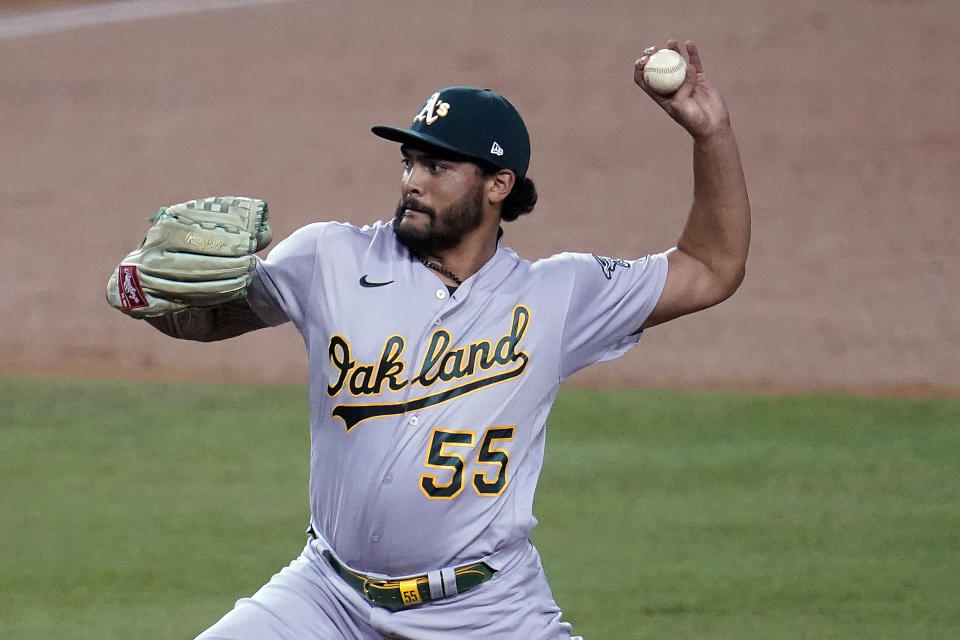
<point x="737" y="279"/>
<point x="728" y="283"/>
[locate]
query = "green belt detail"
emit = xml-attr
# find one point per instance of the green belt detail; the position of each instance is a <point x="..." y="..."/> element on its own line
<point x="389" y="594"/>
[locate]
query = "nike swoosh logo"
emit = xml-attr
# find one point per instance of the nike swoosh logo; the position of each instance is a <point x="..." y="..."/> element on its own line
<point x="366" y="283"/>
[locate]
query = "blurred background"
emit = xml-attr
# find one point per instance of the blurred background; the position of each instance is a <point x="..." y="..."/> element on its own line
<point x="135" y="509"/>
<point x="846" y="114"/>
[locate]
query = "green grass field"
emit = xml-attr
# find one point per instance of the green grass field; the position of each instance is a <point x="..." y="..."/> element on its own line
<point x="132" y="510"/>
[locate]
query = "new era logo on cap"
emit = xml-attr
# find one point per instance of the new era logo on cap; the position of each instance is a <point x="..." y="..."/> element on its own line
<point x="496" y="149"/>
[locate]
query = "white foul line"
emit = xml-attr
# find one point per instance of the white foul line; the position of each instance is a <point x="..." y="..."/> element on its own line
<point x="44" y="22"/>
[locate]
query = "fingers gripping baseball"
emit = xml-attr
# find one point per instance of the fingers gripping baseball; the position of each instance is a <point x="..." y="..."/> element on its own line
<point x="694" y="103"/>
<point x="661" y="72"/>
<point x="198" y="253"/>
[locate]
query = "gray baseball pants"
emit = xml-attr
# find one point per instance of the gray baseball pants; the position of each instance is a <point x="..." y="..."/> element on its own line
<point x="308" y="600"/>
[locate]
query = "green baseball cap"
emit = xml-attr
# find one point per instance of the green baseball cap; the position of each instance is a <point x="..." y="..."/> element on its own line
<point x="478" y="124"/>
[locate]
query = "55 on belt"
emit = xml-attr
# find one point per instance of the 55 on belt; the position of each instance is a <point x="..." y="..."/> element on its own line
<point x="411" y="592"/>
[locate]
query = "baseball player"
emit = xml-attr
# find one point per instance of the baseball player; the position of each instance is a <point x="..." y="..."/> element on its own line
<point x="435" y="354"/>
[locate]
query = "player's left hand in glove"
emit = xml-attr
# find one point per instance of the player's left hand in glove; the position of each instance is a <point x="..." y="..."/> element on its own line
<point x="197" y="254"/>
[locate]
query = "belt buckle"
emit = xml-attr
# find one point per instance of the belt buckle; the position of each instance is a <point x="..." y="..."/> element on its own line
<point x="409" y="594"/>
<point x="366" y="593"/>
<point x="366" y="588"/>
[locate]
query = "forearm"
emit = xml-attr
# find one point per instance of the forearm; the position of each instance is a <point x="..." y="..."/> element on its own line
<point x="209" y="324"/>
<point x="717" y="232"/>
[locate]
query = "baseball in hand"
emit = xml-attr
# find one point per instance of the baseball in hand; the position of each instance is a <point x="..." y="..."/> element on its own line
<point x="665" y="71"/>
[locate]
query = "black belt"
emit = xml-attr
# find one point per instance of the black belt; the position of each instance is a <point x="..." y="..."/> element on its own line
<point x="409" y="592"/>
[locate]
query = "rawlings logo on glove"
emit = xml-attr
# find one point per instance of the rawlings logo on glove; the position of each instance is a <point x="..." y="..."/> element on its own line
<point x="197" y="254"/>
<point x="131" y="294"/>
<point x="197" y="240"/>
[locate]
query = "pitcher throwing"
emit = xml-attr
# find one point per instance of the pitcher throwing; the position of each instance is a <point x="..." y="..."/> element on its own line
<point x="435" y="354"/>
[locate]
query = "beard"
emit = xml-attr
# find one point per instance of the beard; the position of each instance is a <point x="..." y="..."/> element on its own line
<point x="445" y="229"/>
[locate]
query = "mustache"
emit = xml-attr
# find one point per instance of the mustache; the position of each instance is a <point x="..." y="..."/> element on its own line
<point x="413" y="203"/>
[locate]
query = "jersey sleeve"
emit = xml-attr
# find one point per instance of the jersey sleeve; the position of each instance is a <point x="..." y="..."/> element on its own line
<point x="282" y="283"/>
<point x="609" y="299"/>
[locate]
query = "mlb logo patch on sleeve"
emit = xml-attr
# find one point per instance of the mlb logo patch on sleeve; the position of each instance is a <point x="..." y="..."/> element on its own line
<point x="609" y="264"/>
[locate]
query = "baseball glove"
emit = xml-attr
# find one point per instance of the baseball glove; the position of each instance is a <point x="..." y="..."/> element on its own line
<point x="197" y="254"/>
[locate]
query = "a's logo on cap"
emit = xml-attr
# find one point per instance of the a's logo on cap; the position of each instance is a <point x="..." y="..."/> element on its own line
<point x="433" y="110"/>
<point x="496" y="149"/>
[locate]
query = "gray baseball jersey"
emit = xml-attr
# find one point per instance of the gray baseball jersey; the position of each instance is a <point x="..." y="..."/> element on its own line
<point x="428" y="408"/>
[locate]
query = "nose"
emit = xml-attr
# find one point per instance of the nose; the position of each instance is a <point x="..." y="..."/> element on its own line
<point x="412" y="180"/>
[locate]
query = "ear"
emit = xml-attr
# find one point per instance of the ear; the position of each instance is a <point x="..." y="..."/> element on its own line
<point x="499" y="185"/>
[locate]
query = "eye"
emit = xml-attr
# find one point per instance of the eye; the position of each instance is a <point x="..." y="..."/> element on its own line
<point x="438" y="167"/>
<point x="406" y="163"/>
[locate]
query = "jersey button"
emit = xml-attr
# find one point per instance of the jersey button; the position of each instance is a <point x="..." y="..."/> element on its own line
<point x="387" y="479"/>
<point x="414" y="421"/>
<point x="376" y="536"/>
<point x="441" y="294"/>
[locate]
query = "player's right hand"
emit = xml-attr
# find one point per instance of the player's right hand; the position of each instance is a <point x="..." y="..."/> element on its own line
<point x="696" y="105"/>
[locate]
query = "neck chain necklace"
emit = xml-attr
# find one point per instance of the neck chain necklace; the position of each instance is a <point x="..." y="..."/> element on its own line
<point x="439" y="268"/>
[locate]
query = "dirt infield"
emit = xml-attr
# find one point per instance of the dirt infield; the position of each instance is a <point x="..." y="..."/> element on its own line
<point x="846" y="114"/>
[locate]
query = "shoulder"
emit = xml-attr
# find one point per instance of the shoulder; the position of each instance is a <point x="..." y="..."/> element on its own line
<point x="343" y="235"/>
<point x="565" y="262"/>
<point x="508" y="262"/>
<point x="594" y="270"/>
<point x="341" y="230"/>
